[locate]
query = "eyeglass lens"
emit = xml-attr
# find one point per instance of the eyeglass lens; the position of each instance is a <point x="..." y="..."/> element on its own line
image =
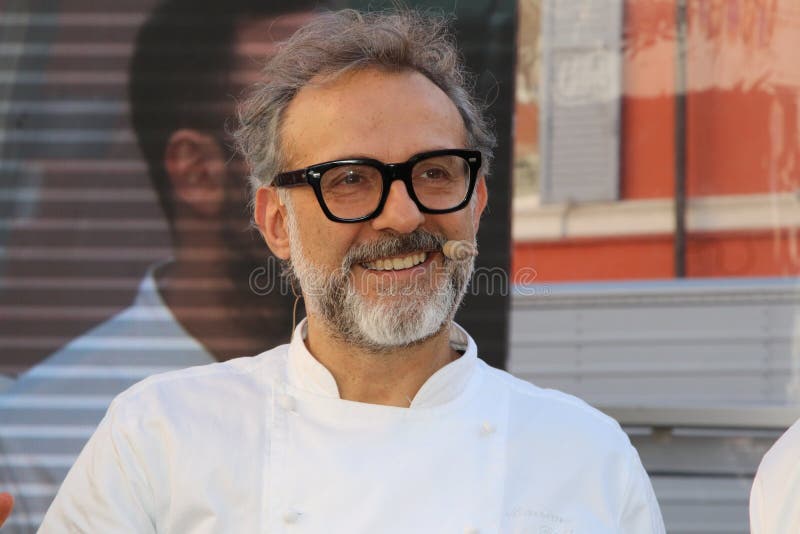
<point x="353" y="191"/>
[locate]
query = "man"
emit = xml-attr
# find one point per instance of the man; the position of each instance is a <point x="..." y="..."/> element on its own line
<point x="367" y="154"/>
<point x="775" y="495"/>
<point x="191" y="59"/>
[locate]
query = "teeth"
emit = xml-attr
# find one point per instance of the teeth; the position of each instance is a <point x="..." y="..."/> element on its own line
<point x="390" y="264"/>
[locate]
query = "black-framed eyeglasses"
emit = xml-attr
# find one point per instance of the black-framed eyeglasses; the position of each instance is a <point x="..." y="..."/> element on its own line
<point x="355" y="190"/>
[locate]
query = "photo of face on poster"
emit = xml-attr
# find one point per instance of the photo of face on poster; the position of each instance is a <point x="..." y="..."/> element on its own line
<point x="127" y="231"/>
<point x="639" y="248"/>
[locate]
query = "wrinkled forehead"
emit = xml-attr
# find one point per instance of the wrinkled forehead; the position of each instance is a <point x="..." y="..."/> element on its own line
<point x="371" y="112"/>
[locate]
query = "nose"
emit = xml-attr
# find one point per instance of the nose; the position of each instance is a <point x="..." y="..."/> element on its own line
<point x="400" y="213"/>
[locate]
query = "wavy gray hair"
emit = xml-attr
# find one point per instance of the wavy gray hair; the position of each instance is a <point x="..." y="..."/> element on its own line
<point x="347" y="40"/>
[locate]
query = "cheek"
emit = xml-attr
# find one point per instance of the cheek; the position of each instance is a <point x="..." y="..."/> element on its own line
<point x="325" y="242"/>
<point x="457" y="225"/>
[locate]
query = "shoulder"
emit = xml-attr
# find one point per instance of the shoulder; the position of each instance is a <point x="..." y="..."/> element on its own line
<point x="257" y="369"/>
<point x="536" y="411"/>
<point x="211" y="389"/>
<point x="561" y="444"/>
<point x="175" y="416"/>
<point x="98" y="340"/>
<point x="782" y="457"/>
<point x="779" y="471"/>
<point x="112" y="352"/>
<point x="136" y="342"/>
<point x="776" y="488"/>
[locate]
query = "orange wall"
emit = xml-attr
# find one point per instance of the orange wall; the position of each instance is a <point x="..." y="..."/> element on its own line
<point x="742" y="130"/>
<point x="740" y="142"/>
<point x="733" y="254"/>
<point x="595" y="259"/>
<point x="648" y="113"/>
<point x="648" y="153"/>
<point x="743" y="254"/>
<point x="743" y="82"/>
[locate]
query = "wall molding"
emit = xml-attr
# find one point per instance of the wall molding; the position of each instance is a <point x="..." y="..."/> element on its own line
<point x="533" y="221"/>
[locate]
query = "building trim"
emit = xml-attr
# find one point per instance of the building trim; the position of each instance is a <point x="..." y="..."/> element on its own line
<point x="533" y="221"/>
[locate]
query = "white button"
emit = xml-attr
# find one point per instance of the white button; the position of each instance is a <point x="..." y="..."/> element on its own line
<point x="487" y="428"/>
<point x="286" y="402"/>
<point x="471" y="530"/>
<point x="291" y="516"/>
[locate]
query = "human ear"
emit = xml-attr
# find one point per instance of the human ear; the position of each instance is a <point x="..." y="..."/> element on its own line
<point x="195" y="166"/>
<point x="271" y="220"/>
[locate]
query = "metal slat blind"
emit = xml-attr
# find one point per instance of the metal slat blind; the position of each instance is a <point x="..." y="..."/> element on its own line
<point x="69" y="162"/>
<point x="580" y="100"/>
<point x="718" y="354"/>
<point x="80" y="224"/>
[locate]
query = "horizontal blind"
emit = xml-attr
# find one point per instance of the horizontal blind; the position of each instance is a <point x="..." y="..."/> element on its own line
<point x="580" y="100"/>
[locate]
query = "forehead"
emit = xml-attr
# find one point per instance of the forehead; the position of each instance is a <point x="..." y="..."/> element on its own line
<point x="370" y="113"/>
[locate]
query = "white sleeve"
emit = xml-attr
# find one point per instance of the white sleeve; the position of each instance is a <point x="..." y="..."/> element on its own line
<point x="775" y="495"/>
<point x="640" y="514"/>
<point x="756" y="507"/>
<point x="106" y="490"/>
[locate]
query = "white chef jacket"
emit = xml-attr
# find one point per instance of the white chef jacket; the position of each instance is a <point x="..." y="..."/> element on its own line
<point x="265" y="444"/>
<point x="775" y="496"/>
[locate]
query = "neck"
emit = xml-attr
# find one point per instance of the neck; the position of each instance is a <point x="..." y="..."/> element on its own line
<point x="390" y="378"/>
<point x="213" y="302"/>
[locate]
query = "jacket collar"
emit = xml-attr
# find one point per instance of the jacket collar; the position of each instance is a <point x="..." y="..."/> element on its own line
<point x="306" y="373"/>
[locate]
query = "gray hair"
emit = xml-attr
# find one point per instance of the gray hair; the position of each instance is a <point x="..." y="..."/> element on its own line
<point x="348" y="40"/>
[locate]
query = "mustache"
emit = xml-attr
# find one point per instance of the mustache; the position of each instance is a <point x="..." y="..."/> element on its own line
<point x="393" y="246"/>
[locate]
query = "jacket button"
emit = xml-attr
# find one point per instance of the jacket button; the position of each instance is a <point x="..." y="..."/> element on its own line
<point x="487" y="428"/>
<point x="471" y="530"/>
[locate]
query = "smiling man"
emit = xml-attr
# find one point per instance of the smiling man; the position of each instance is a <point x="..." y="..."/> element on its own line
<point x="367" y="155"/>
<point x="379" y="293"/>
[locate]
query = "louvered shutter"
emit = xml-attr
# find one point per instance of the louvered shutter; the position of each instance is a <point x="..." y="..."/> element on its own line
<point x="580" y="100"/>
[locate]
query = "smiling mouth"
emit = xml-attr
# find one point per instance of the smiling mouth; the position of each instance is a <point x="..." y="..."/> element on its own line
<point x="396" y="264"/>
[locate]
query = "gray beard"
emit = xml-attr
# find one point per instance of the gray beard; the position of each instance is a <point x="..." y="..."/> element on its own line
<point x="398" y="314"/>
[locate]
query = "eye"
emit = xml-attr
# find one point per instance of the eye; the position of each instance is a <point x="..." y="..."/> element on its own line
<point x="352" y="178"/>
<point x="434" y="174"/>
<point x="345" y="177"/>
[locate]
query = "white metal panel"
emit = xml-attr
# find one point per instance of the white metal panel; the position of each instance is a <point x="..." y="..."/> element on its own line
<point x="704" y="373"/>
<point x="702" y="478"/>
<point x="580" y="99"/>
<point x="705" y="452"/>
<point x="703" y="505"/>
<point x="683" y="343"/>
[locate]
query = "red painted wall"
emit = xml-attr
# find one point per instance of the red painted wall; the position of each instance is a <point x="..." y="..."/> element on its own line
<point x="742" y="131"/>
<point x="732" y="254"/>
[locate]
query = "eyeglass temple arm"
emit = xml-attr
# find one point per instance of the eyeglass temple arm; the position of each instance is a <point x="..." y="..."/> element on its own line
<point x="290" y="179"/>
